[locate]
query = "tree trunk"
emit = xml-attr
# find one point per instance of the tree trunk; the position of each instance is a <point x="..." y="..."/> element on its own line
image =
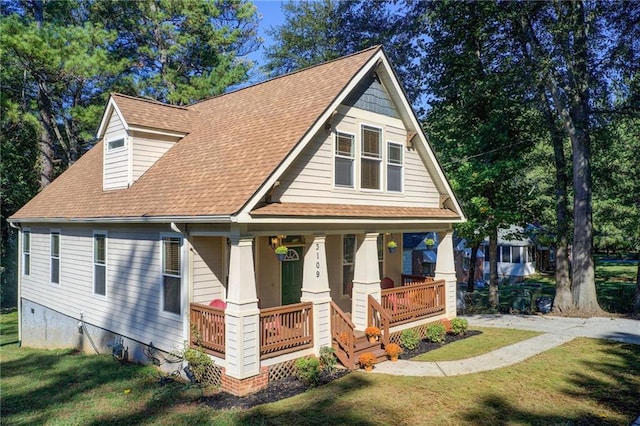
<point x="493" y="268"/>
<point x="636" y="305"/>
<point x="472" y="268"/>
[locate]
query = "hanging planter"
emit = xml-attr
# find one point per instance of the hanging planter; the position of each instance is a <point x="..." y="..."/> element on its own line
<point x="392" y="246"/>
<point x="429" y="243"/>
<point x="281" y="252"/>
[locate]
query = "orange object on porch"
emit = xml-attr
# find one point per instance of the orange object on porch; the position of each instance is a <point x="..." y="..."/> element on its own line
<point x="218" y="303"/>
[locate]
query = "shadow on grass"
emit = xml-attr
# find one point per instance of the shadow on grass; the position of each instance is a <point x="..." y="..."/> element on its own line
<point x="616" y="387"/>
<point x="319" y="409"/>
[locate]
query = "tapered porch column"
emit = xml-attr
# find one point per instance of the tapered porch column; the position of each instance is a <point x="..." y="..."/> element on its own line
<point x="366" y="279"/>
<point x="315" y="289"/>
<point x="446" y="270"/>
<point x="242" y="316"/>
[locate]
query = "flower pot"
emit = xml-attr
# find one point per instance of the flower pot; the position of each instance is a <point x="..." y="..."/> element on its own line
<point x="394" y="358"/>
<point x="368" y="368"/>
<point x="280" y="257"/>
<point x="392" y="249"/>
<point x="373" y="339"/>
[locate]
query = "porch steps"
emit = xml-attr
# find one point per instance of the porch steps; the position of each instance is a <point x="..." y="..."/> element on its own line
<point x="362" y="345"/>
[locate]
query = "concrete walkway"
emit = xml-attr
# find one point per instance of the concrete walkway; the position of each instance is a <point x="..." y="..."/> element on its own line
<point x="558" y="330"/>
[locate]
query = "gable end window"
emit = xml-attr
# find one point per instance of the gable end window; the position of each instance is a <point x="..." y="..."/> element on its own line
<point x="26" y="252"/>
<point x="100" y="264"/>
<point x="115" y="144"/>
<point x="171" y="274"/>
<point x="344" y="160"/>
<point x="394" y="167"/>
<point x="55" y="258"/>
<point x="371" y="158"/>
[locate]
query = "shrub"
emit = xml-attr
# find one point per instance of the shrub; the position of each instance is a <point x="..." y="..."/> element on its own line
<point x="409" y="339"/>
<point x="459" y="326"/>
<point x="308" y="370"/>
<point x="436" y="332"/>
<point x="366" y="359"/>
<point x="198" y="362"/>
<point x="328" y="359"/>
<point x="392" y="349"/>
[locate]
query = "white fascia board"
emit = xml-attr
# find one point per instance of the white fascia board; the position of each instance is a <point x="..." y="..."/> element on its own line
<point x="397" y="94"/>
<point x="311" y="132"/>
<point x="170" y="133"/>
<point x="151" y="219"/>
<point x="111" y="106"/>
<point x="338" y="220"/>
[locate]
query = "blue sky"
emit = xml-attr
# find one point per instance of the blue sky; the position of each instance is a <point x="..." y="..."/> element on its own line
<point x="271" y="16"/>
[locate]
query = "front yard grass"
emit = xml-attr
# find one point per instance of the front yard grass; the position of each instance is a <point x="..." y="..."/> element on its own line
<point x="583" y="382"/>
<point x="490" y="340"/>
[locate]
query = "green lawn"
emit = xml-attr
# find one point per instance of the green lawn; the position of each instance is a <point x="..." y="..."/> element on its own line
<point x="490" y="340"/>
<point x="615" y="287"/>
<point x="583" y="382"/>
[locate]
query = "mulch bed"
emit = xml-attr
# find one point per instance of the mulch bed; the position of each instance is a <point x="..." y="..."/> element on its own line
<point x="291" y="386"/>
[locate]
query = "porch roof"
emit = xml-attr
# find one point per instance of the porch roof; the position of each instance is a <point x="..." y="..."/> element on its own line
<point x="351" y="211"/>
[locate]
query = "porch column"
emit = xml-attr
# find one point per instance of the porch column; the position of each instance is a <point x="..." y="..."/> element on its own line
<point x="446" y="270"/>
<point x="242" y="316"/>
<point x="366" y="279"/>
<point x="315" y="289"/>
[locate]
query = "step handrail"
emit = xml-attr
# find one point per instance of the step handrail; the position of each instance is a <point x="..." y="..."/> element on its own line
<point x="380" y="318"/>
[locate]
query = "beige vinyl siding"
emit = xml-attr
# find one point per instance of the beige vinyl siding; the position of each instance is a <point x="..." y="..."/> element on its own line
<point x="310" y="179"/>
<point x="208" y="269"/>
<point x="132" y="305"/>
<point x="146" y="152"/>
<point x="116" y="162"/>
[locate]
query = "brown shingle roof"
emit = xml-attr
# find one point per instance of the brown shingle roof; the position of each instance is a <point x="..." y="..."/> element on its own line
<point x="236" y="141"/>
<point x="351" y="211"/>
<point x="152" y="114"/>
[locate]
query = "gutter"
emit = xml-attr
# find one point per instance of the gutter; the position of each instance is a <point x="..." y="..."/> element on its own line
<point x="139" y="219"/>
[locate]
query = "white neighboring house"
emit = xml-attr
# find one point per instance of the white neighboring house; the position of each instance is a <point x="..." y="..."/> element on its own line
<point x="165" y="231"/>
<point x="515" y="255"/>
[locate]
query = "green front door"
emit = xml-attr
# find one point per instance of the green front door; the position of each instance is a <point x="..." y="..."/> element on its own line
<point x="292" y="276"/>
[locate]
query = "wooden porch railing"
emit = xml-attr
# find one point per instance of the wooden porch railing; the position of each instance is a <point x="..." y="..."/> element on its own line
<point x="343" y="334"/>
<point x="207" y="329"/>
<point x="285" y="329"/>
<point x="379" y="317"/>
<point x="415" y="279"/>
<point x="414" y="301"/>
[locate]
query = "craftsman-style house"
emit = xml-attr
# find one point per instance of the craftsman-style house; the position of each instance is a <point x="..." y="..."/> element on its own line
<point x="166" y="230"/>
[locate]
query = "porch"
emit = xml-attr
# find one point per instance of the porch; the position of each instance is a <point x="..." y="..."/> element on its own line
<point x="288" y="329"/>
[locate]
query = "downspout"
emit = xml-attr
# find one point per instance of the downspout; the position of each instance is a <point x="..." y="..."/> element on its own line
<point x="186" y="273"/>
<point x="19" y="273"/>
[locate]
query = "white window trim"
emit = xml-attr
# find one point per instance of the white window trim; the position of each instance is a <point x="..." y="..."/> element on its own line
<point x="162" y="312"/>
<point x="389" y="164"/>
<point x="380" y="160"/>
<point x="124" y="146"/>
<point x="353" y="159"/>
<point x="51" y="257"/>
<point x="106" y="262"/>
<point x="26" y="231"/>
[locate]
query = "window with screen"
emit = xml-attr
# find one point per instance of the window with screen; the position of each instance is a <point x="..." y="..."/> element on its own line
<point x="171" y="274"/>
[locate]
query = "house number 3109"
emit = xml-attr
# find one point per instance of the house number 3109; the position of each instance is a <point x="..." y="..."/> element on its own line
<point x="317" y="260"/>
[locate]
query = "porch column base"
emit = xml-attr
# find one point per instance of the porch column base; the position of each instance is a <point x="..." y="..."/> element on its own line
<point x="246" y="386"/>
<point x="321" y="318"/>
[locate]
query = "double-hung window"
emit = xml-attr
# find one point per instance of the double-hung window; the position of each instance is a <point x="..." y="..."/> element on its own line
<point x="55" y="257"/>
<point x="370" y="158"/>
<point x="171" y="274"/>
<point x="344" y="160"/>
<point x="26" y="252"/>
<point x="394" y="167"/>
<point x="100" y="264"/>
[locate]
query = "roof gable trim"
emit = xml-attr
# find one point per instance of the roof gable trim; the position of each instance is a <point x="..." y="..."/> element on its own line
<point x="112" y="106"/>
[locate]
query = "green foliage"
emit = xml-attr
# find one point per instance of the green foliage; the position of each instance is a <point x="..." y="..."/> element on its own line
<point x="436" y="332"/>
<point x="459" y="326"/>
<point x="308" y="370"/>
<point x="197" y="359"/>
<point x="409" y="339"/>
<point x="328" y="360"/>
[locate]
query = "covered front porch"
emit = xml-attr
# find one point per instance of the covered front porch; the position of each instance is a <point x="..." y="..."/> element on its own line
<point x="255" y="329"/>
